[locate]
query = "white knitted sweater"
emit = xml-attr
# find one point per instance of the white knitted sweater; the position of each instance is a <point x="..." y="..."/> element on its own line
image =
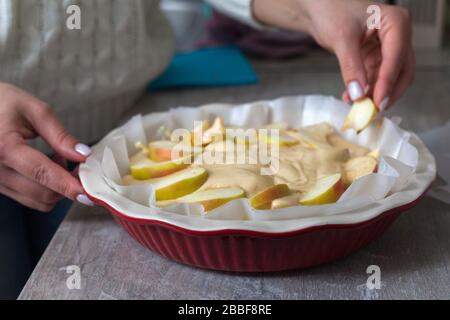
<point x="91" y="76"/>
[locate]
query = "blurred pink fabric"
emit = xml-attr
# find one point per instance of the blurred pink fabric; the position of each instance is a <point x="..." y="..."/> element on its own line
<point x="266" y="43"/>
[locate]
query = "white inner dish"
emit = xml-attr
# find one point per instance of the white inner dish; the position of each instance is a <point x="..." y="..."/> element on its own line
<point x="406" y="168"/>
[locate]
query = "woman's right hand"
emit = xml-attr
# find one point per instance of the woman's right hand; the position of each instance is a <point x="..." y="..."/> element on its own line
<point x="27" y="175"/>
<point x="379" y="63"/>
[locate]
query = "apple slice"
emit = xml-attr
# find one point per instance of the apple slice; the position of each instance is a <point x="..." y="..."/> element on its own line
<point x="286" y="202"/>
<point x="197" y="133"/>
<point x="129" y="180"/>
<point x="215" y="133"/>
<point x="360" y="116"/>
<point x="180" y="183"/>
<point x="193" y="138"/>
<point x="358" y="167"/>
<point x="302" y="138"/>
<point x="161" y="151"/>
<point x="283" y="140"/>
<point x="145" y="168"/>
<point x="214" y="198"/>
<point x="374" y="154"/>
<point x="263" y="200"/>
<point x="326" y="190"/>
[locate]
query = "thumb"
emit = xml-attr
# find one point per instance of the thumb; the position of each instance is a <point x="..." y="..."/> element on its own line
<point x="352" y="69"/>
<point x="47" y="125"/>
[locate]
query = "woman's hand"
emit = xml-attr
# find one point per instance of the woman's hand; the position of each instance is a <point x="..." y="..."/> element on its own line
<point x="27" y="175"/>
<point x="378" y="63"/>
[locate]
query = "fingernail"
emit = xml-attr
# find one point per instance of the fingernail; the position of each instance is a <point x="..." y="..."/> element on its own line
<point x="383" y="104"/>
<point x="355" y="90"/>
<point x="83" y="149"/>
<point x="83" y="199"/>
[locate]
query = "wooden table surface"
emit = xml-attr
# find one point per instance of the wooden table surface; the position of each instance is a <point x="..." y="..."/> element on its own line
<point x="413" y="255"/>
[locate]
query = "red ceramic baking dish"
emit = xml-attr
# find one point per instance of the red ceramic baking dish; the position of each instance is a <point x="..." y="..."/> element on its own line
<point x="250" y="251"/>
<point x="252" y="245"/>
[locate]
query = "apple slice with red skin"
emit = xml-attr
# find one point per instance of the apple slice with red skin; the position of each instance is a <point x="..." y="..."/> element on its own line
<point x="263" y="200"/>
<point x="326" y="190"/>
<point x="161" y="151"/>
<point x="214" y="198"/>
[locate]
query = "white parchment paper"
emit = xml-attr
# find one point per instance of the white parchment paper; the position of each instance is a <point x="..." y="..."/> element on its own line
<point x="398" y="157"/>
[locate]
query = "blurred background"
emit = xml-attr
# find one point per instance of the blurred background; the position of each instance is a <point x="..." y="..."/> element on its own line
<point x="192" y="22"/>
<point x="198" y="28"/>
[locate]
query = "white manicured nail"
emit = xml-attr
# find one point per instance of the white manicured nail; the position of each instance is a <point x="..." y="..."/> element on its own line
<point x="83" y="149"/>
<point x="83" y="199"/>
<point x="355" y="91"/>
<point x="383" y="104"/>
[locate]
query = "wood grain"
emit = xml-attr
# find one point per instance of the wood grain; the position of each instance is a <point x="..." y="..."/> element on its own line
<point x="414" y="254"/>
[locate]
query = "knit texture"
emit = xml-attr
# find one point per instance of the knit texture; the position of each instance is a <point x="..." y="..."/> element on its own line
<point x="89" y="76"/>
